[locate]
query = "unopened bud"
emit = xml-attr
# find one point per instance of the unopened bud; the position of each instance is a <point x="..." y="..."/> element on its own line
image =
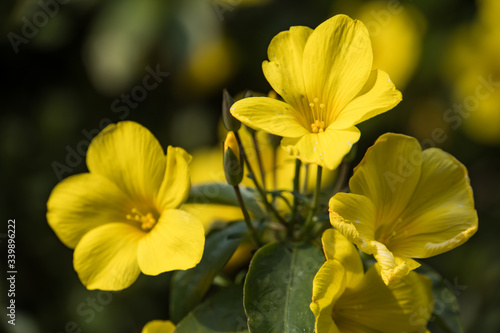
<point x="230" y="123"/>
<point x="233" y="162"/>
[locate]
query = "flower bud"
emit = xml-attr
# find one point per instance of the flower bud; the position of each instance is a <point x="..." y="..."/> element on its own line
<point x="230" y="123"/>
<point x="233" y="161"/>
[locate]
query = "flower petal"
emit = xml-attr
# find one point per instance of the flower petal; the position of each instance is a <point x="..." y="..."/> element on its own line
<point x="354" y="216"/>
<point x="328" y="286"/>
<point x="271" y="115"/>
<point x="284" y="68"/>
<point x="175" y="242"/>
<point x="337" y="62"/>
<point x="106" y="257"/>
<point x="83" y="202"/>
<point x="404" y="306"/>
<point x="377" y="96"/>
<point x="159" y="326"/>
<point x="131" y="157"/>
<point x="447" y="220"/>
<point x="176" y="183"/>
<point x="393" y="268"/>
<point x="388" y="175"/>
<point x="326" y="149"/>
<point x="337" y="247"/>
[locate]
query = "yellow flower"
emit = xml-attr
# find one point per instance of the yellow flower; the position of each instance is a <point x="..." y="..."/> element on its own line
<point x="396" y="36"/>
<point x="472" y="69"/>
<point x="345" y="299"/>
<point x="121" y="217"/>
<point x="159" y="326"/>
<point x="325" y="77"/>
<point x="405" y="203"/>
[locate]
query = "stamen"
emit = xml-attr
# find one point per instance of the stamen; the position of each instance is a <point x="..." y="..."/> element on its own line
<point x="147" y="221"/>
<point x="317" y="110"/>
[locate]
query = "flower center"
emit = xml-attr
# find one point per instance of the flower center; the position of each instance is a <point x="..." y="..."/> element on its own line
<point x="147" y="221"/>
<point x="387" y="233"/>
<point x="385" y="238"/>
<point x="317" y="110"/>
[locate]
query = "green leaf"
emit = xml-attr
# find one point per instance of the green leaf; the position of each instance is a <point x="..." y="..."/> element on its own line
<point x="223" y="194"/>
<point x="278" y="288"/>
<point x="446" y="315"/>
<point x="221" y="313"/>
<point x="188" y="287"/>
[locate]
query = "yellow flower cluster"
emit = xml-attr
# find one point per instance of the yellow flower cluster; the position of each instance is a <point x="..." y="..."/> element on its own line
<point x="404" y="204"/>
<point x="128" y="214"/>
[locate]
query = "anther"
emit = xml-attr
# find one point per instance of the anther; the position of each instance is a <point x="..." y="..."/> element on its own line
<point x="147" y="221"/>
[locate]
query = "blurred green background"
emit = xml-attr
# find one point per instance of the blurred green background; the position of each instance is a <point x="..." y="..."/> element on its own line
<point x="70" y="67"/>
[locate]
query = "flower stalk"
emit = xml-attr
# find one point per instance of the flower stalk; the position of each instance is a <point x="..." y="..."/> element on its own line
<point x="269" y="207"/>
<point x="296" y="182"/>
<point x="253" y="231"/>
<point x="308" y="225"/>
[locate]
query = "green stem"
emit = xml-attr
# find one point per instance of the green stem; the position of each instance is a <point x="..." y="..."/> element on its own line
<point x="309" y="221"/>
<point x="269" y="207"/>
<point x="275" y="173"/>
<point x="247" y="216"/>
<point x="296" y="182"/>
<point x="306" y="179"/>
<point x="344" y="168"/>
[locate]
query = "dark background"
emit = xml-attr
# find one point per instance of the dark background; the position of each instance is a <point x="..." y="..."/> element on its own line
<point x="65" y="80"/>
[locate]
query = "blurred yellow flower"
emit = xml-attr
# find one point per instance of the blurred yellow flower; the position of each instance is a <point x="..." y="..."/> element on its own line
<point x="405" y="203"/>
<point x="471" y="66"/>
<point x="325" y="77"/>
<point x="211" y="62"/>
<point x="159" y="326"/>
<point x="345" y="299"/>
<point x="396" y="33"/>
<point x="122" y="217"/>
<point x="206" y="167"/>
